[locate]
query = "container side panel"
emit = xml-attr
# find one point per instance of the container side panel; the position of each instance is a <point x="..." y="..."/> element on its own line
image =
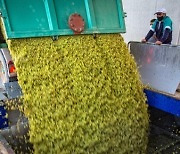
<point x="106" y="13"/>
<point x="64" y="9"/>
<point x="26" y="15"/>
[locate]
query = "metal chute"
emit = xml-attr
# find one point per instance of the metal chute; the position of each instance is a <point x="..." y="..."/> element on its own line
<point x="159" y="65"/>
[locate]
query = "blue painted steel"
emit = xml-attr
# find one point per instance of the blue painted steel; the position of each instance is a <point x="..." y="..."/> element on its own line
<point x="36" y="18"/>
<point x="163" y="102"/>
<point x="3" y="119"/>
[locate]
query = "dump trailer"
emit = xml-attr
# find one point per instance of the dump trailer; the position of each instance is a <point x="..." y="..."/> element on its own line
<point x="28" y="19"/>
<point x="54" y="19"/>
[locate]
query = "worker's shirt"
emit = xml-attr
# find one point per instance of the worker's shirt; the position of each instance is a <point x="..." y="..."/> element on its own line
<point x="160" y="27"/>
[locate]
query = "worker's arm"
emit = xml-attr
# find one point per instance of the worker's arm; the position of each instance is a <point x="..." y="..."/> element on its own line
<point x="165" y="36"/>
<point x="149" y="35"/>
<point x="166" y="33"/>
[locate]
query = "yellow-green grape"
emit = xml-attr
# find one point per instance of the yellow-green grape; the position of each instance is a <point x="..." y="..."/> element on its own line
<point x="81" y="95"/>
<point x="14" y="104"/>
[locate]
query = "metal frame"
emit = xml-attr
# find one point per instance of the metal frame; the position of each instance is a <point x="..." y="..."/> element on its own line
<point x="11" y="89"/>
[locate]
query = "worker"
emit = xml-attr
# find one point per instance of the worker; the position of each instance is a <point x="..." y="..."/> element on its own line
<point x="152" y="22"/>
<point x="162" y="28"/>
<point x="153" y="39"/>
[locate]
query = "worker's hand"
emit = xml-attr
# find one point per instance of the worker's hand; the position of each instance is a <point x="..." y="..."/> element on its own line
<point x="143" y="40"/>
<point x="158" y="42"/>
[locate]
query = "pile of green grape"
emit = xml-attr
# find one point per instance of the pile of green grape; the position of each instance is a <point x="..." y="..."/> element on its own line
<point x="81" y="94"/>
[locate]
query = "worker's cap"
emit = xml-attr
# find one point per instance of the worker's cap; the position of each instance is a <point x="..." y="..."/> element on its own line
<point x="162" y="10"/>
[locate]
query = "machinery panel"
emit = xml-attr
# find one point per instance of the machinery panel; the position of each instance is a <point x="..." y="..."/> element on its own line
<point x="159" y="65"/>
<point x="13" y="90"/>
<point x="36" y="18"/>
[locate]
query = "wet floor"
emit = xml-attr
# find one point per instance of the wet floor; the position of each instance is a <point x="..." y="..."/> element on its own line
<point x="164" y="137"/>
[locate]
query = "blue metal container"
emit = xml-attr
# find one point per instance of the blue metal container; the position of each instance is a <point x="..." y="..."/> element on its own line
<point x="163" y="102"/>
<point x="36" y="18"/>
<point x="3" y="119"/>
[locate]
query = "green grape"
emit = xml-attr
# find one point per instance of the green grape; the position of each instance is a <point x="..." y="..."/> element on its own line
<point x="81" y="95"/>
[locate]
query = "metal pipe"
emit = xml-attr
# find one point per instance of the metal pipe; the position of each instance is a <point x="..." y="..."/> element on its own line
<point x="178" y="39"/>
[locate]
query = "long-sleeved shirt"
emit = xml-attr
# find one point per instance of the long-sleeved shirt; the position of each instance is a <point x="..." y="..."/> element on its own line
<point x="162" y="30"/>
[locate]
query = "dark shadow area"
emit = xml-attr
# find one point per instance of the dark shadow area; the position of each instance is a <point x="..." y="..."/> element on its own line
<point x="2" y="40"/>
<point x="164" y="137"/>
